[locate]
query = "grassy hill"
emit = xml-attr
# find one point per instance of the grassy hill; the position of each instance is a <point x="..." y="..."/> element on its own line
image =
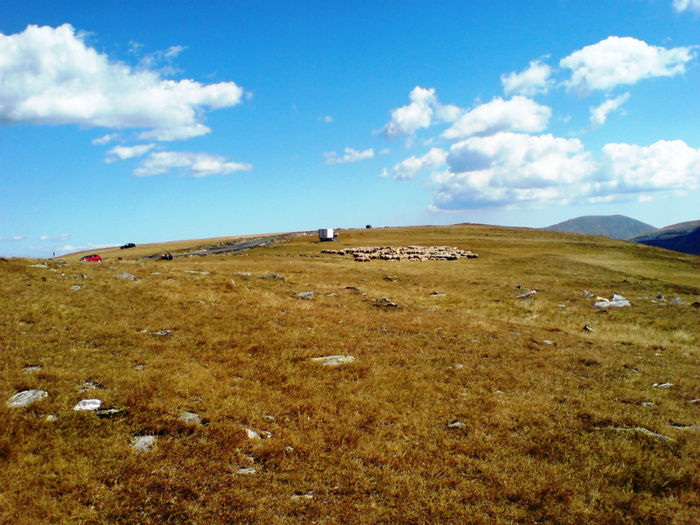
<point x="683" y="237"/>
<point x="613" y="226"/>
<point x="463" y="404"/>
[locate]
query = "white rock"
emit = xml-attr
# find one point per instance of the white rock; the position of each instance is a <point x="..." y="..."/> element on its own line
<point x="303" y="496"/>
<point x="26" y="398"/>
<point x="190" y="418"/>
<point x="143" y="443"/>
<point x="456" y="424"/>
<point x="525" y="295"/>
<point x="246" y="471"/>
<point x="252" y="434"/>
<point x="88" y="404"/>
<point x="662" y="385"/>
<point x="31" y="369"/>
<point x="334" y="360"/>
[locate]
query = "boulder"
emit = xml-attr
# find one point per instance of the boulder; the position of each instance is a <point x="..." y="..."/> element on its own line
<point x="26" y="398"/>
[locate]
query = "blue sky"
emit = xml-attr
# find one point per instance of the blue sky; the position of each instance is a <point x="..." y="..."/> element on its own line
<point x="124" y="122"/>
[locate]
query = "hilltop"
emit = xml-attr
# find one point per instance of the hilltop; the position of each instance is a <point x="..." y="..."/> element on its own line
<point x="613" y="226"/>
<point x="281" y="384"/>
<point x="682" y="237"/>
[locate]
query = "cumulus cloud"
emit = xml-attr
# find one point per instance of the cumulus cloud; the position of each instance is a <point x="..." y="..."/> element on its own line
<point x="683" y="5"/>
<point x="128" y="152"/>
<point x="511" y="169"/>
<point x="351" y="155"/>
<point x="194" y="164"/>
<point x="517" y="114"/>
<point x="50" y="76"/>
<point x="622" y="61"/>
<point x="423" y="111"/>
<point x="665" y="165"/>
<point x="412" y="166"/>
<point x="105" y="139"/>
<point x="599" y="114"/>
<point x="532" y="81"/>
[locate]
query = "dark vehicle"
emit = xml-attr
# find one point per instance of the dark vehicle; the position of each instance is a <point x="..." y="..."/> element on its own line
<point x="166" y="257"/>
<point x="91" y="258"/>
<point x="127" y="246"/>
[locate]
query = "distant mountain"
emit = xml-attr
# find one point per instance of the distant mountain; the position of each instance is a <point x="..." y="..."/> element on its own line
<point x="613" y="226"/>
<point x="682" y="237"/>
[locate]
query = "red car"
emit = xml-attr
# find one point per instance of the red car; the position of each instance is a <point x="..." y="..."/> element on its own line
<point x="91" y="258"/>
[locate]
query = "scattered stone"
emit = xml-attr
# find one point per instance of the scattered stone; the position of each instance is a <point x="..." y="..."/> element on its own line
<point x="547" y="342"/>
<point x="696" y="400"/>
<point x="617" y="301"/>
<point x="288" y="449"/>
<point x="353" y="288"/>
<point x="246" y="471"/>
<point x="76" y="287"/>
<point x="456" y="424"/>
<point x="274" y="276"/>
<point x="332" y="294"/>
<point x="26" y="398"/>
<point x="31" y="369"/>
<point x="197" y="272"/>
<point x="648" y="404"/>
<point x="385" y="303"/>
<point x="630" y="368"/>
<point x="405" y="253"/>
<point x="515" y="334"/>
<point x="88" y="404"/>
<point x="252" y="434"/>
<point x="90" y="385"/>
<point x="109" y="412"/>
<point x="139" y="367"/>
<point x="143" y="443"/>
<point x="588" y="294"/>
<point x="437" y="294"/>
<point x="642" y="430"/>
<point x="662" y="385"/>
<point x="190" y="418"/>
<point x="302" y="496"/>
<point x="268" y="417"/>
<point x="587" y="328"/>
<point x="162" y="333"/>
<point x="243" y="274"/>
<point x="677" y="301"/>
<point x="391" y="278"/>
<point x="305" y="295"/>
<point x="459" y="366"/>
<point x="683" y="426"/>
<point x="561" y="305"/>
<point x="39" y="265"/>
<point x="266" y="434"/>
<point x="126" y="275"/>
<point x="527" y="294"/>
<point x="334" y="360"/>
<point x="50" y="418"/>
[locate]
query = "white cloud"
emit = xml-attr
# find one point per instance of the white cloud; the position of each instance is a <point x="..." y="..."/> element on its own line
<point x="128" y="152"/>
<point x="194" y="164"/>
<point x="351" y="155"/>
<point x="682" y="5"/>
<point x="517" y="114"/>
<point x="61" y="237"/>
<point x="662" y="166"/>
<point x="327" y="119"/>
<point x="599" y="114"/>
<point x="423" y="111"/>
<point x="105" y="139"/>
<point x="511" y="169"/>
<point x="532" y="81"/>
<point x="50" y="76"/>
<point x="409" y="168"/>
<point x="621" y="61"/>
<point x="14" y="238"/>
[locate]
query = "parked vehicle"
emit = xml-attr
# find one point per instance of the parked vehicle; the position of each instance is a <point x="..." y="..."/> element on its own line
<point x="166" y="257"/>
<point x="127" y="246"/>
<point x="93" y="257"/>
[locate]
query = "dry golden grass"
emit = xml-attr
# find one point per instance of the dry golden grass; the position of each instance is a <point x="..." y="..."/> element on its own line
<point x="365" y="442"/>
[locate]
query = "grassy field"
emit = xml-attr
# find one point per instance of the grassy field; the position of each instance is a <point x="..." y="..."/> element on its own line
<point x="465" y="406"/>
